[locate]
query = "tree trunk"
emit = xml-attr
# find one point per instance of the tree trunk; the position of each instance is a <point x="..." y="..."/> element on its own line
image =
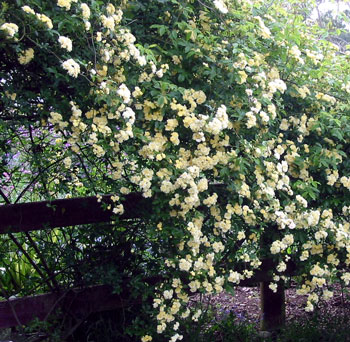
<point x="272" y="306"/>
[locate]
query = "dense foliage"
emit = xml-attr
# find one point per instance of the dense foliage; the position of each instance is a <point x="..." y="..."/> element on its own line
<point x="230" y="116"/>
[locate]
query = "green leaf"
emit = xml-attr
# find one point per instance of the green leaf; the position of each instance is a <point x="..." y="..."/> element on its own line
<point x="181" y="77"/>
<point x="336" y="132"/>
<point x="230" y="289"/>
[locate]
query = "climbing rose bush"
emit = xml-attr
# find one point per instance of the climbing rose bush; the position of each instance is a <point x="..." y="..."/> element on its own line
<point x="230" y="116"/>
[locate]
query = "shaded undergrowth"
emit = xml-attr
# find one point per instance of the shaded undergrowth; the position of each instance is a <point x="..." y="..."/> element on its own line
<point x="228" y="326"/>
<point x="320" y="327"/>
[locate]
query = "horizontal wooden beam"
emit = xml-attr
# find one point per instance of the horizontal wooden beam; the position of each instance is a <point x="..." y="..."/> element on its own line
<point x="78" y="302"/>
<point x="25" y="217"/>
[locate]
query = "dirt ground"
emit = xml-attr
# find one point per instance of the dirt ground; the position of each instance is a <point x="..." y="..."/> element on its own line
<point x="245" y="304"/>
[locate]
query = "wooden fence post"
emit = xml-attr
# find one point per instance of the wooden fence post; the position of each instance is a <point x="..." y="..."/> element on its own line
<point x="272" y="306"/>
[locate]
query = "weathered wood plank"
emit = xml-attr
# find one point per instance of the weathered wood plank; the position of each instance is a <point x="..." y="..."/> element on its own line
<point x="25" y="217"/>
<point x="79" y="302"/>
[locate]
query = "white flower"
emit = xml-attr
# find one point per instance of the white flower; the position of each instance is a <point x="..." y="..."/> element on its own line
<point x="219" y="122"/>
<point x="264" y="117"/>
<point x="251" y="119"/>
<point x="176" y="337"/>
<point x="202" y="185"/>
<point x="241" y="235"/>
<point x="45" y="20"/>
<point x="64" y="3"/>
<point x="166" y="187"/>
<point x="85" y="10"/>
<point x="168" y="294"/>
<point x="288" y="239"/>
<point x="10" y="28"/>
<point x="234" y="277"/>
<point x="26" y="56"/>
<point x="27" y="9"/>
<point x="184" y="265"/>
<point x="273" y="287"/>
<point x="124" y="92"/>
<point x="65" y="43"/>
<point x="218" y="247"/>
<point x="309" y="307"/>
<point x="281" y="267"/>
<point x="72" y="67"/>
<point x="108" y="22"/>
<point x="129" y="115"/>
<point x="197" y="315"/>
<point x="219" y="4"/>
<point x="87" y="25"/>
<point x="301" y="200"/>
<point x="67" y="162"/>
<point x="295" y="52"/>
<point x="277" y="84"/>
<point x="142" y="60"/>
<point x="346" y="278"/>
<point x="110" y="9"/>
<point x="327" y="294"/>
<point x="265" y="32"/>
<point x="284" y="125"/>
<point x="119" y="209"/>
<point x="160" y="73"/>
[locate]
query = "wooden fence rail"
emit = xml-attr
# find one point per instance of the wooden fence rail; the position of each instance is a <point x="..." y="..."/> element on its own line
<point x="24" y="217"/>
<point x="79" y="303"/>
